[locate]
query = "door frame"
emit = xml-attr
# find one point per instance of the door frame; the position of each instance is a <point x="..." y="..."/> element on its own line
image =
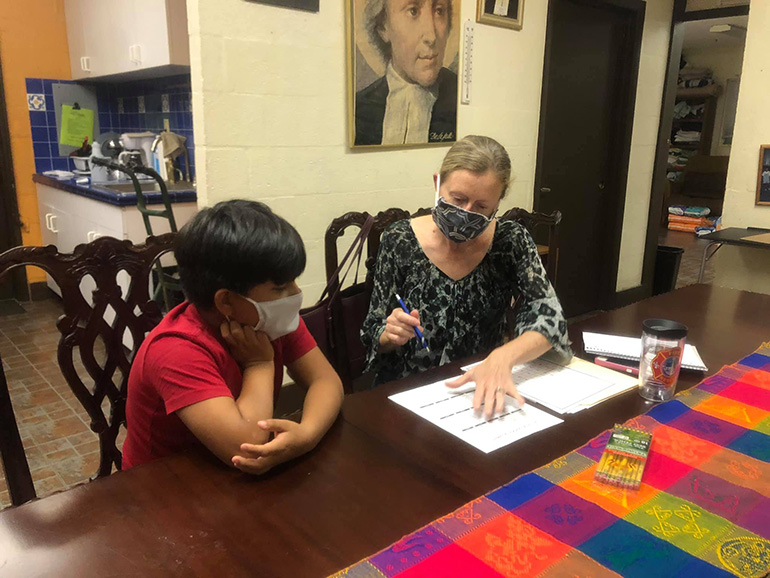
<point x="621" y="136"/>
<point x="668" y="100"/>
<point x="10" y="220"/>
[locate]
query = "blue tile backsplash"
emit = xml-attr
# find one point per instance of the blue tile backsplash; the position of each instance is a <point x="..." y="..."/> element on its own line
<point x="135" y="106"/>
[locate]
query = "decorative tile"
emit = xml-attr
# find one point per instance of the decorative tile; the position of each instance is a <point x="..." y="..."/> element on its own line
<point x="36" y="101"/>
<point x="164" y="103"/>
<point x="34" y="85"/>
<point x="140" y="104"/>
<point x="121" y="109"/>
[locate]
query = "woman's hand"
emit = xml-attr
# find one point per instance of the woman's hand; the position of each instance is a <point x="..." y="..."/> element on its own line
<point x="493" y="380"/>
<point x="291" y="439"/>
<point x="399" y="328"/>
<point x="247" y="346"/>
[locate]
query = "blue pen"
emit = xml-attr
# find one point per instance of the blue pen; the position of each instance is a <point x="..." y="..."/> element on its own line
<point x="417" y="332"/>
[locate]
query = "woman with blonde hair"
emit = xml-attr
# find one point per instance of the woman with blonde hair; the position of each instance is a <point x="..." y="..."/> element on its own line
<point x="458" y="270"/>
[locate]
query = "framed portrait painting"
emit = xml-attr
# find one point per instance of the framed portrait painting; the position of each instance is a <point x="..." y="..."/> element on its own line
<point x="763" y="180"/>
<point x="402" y="72"/>
<point x="505" y="13"/>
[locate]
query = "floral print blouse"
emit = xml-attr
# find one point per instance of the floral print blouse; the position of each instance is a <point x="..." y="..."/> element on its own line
<point x="460" y="317"/>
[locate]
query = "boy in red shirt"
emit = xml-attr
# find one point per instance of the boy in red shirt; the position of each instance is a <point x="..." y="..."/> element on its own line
<point x="211" y="371"/>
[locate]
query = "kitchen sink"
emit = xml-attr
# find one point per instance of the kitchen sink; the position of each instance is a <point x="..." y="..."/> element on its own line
<point x="148" y="187"/>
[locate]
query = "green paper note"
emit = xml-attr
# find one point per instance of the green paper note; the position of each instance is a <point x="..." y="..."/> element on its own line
<point x="76" y="125"/>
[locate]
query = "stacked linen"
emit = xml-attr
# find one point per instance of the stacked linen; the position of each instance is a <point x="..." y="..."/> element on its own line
<point x="687" y="136"/>
<point x="689" y="211"/>
<point x="691" y="224"/>
<point x="677" y="159"/>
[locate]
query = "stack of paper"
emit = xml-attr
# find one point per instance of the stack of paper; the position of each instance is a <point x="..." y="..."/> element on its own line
<point x="631" y="348"/>
<point x="452" y="411"/>
<point x="568" y="388"/>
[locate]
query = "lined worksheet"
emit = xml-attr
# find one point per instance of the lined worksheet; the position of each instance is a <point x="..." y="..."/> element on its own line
<point x="568" y="388"/>
<point x="452" y="411"/>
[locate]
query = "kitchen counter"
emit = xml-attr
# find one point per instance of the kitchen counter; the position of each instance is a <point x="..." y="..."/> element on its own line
<point x="113" y="197"/>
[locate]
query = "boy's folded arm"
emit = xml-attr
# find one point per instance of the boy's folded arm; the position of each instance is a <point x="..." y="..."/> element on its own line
<point x="324" y="396"/>
<point x="222" y="424"/>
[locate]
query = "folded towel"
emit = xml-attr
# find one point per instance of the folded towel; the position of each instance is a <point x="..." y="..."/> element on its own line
<point x="60" y="175"/>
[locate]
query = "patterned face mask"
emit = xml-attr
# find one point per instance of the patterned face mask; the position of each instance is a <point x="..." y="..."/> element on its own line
<point x="457" y="224"/>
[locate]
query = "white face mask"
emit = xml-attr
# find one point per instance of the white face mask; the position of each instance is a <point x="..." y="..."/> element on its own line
<point x="279" y="317"/>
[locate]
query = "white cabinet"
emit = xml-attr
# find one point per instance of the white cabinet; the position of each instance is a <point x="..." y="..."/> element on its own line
<point x="127" y="37"/>
<point x="67" y="220"/>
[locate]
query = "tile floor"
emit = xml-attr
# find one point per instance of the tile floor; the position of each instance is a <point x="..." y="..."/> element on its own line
<point x="61" y="449"/>
<point x="693" y="252"/>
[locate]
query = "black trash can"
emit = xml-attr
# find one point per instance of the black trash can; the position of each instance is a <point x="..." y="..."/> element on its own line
<point x="667" y="261"/>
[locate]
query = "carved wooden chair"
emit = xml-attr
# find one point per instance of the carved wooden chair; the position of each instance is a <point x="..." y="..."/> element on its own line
<point x="349" y="355"/>
<point x="543" y="228"/>
<point x="15" y="464"/>
<point x="100" y="385"/>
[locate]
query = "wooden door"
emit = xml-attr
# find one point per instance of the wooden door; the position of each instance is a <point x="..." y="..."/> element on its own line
<point x="14" y="284"/>
<point x="589" y="84"/>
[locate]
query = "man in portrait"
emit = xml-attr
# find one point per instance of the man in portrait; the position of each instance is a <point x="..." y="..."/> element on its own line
<point x="416" y="100"/>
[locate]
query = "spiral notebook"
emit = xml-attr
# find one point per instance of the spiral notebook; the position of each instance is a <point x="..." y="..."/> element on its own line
<point x="630" y="348"/>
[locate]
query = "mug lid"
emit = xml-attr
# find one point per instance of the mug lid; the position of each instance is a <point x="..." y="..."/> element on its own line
<point x="664" y="328"/>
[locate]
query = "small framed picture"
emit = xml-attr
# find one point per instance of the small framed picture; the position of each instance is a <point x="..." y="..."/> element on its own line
<point x="505" y="13"/>
<point x="763" y="180"/>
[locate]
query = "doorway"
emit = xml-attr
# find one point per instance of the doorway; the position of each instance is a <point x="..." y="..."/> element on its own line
<point x="698" y="147"/>
<point x="587" y="109"/>
<point x="14" y="285"/>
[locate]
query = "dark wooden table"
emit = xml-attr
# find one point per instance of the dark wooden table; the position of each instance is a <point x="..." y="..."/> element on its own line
<point x="381" y="473"/>
<point x="730" y="236"/>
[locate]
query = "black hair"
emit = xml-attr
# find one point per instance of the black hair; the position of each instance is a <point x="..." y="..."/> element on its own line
<point x="236" y="245"/>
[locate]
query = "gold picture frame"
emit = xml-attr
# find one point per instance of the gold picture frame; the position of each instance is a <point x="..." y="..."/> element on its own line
<point x="510" y="13"/>
<point x="763" y="178"/>
<point x="368" y="80"/>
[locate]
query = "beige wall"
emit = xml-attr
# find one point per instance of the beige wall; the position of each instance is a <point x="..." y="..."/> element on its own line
<point x="738" y="267"/>
<point x="725" y="64"/>
<point x="652" y="74"/>
<point x="270" y="107"/>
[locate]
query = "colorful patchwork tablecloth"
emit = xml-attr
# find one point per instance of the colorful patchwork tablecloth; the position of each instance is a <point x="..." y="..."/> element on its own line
<point x="703" y="508"/>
